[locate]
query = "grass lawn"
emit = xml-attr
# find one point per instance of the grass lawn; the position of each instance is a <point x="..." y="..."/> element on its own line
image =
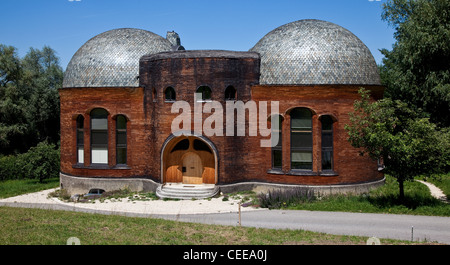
<point x="418" y="201"/>
<point x="20" y="226"/>
<point x="10" y="188"/>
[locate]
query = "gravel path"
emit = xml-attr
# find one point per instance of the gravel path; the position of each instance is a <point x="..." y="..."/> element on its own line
<point x="435" y="191"/>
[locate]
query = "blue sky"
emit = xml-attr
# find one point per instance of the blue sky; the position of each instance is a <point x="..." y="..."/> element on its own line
<point x="66" y="25"/>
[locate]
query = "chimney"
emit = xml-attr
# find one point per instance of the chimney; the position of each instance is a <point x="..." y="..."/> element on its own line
<point x="174" y="39"/>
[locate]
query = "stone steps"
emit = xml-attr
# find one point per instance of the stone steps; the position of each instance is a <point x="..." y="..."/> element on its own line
<point x="186" y="191"/>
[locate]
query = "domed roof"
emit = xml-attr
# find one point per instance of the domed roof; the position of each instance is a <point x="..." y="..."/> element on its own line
<point x="111" y="59"/>
<point x="312" y="52"/>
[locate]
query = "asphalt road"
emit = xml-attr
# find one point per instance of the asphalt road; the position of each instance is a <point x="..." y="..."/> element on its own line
<point x="404" y="227"/>
<point x="420" y="228"/>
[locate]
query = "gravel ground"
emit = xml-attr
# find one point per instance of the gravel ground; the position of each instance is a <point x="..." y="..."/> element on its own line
<point x="159" y="207"/>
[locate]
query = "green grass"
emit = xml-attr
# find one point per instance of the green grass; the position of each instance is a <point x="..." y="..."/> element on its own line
<point x="10" y="188"/>
<point x="21" y="226"/>
<point x="418" y="201"/>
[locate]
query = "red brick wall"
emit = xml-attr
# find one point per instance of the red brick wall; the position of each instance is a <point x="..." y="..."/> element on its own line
<point x="125" y="101"/>
<point x="337" y="101"/>
<point x="239" y="158"/>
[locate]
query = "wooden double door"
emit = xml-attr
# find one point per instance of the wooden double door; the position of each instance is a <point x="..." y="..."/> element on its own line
<point x="190" y="161"/>
<point x="192" y="168"/>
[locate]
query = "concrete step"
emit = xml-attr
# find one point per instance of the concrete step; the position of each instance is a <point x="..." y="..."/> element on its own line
<point x="186" y="191"/>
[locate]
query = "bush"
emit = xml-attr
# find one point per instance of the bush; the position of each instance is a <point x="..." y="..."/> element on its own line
<point x="40" y="162"/>
<point x="283" y="198"/>
<point x="10" y="168"/>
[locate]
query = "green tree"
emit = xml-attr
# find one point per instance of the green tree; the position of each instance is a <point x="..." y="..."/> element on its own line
<point x="417" y="69"/>
<point x="43" y="76"/>
<point x="29" y="100"/>
<point x="407" y="144"/>
<point x="14" y="118"/>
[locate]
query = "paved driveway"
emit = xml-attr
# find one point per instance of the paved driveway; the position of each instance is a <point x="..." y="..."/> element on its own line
<point x="394" y="226"/>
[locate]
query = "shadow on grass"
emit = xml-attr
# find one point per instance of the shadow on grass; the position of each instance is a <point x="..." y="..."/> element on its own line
<point x="412" y="202"/>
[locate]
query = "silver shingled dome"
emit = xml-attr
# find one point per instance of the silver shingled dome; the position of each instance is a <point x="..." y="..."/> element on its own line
<point x="315" y="52"/>
<point x="111" y="59"/>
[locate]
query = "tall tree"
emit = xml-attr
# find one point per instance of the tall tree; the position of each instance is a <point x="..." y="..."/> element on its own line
<point x="14" y="119"/>
<point x="408" y="145"/>
<point x="29" y="101"/>
<point x="43" y="76"/>
<point x="417" y="69"/>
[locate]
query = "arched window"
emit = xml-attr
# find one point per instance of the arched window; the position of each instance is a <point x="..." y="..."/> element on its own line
<point x="170" y="94"/>
<point x="181" y="145"/>
<point x="327" y="143"/>
<point x="121" y="140"/>
<point x="230" y="93"/>
<point x="99" y="136"/>
<point x="201" y="146"/>
<point x="205" y="92"/>
<point x="301" y="139"/>
<point x="277" y="160"/>
<point x="80" y="139"/>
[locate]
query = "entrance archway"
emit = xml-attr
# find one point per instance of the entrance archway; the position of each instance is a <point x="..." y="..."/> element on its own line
<point x="188" y="160"/>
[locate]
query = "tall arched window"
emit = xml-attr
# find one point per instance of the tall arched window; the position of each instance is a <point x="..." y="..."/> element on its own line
<point x="80" y="139"/>
<point x="301" y="139"/>
<point x="230" y="93"/>
<point x="277" y="160"/>
<point x="327" y="143"/>
<point x="99" y="136"/>
<point x="121" y="140"/>
<point x="205" y="92"/>
<point x="169" y="94"/>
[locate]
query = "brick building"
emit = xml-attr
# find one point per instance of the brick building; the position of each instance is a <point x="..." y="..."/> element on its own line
<point x="140" y="111"/>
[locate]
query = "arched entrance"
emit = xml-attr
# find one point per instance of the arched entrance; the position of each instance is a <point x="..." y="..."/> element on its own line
<point x="188" y="160"/>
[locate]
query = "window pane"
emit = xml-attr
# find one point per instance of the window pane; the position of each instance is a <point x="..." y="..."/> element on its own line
<point x="121" y="138"/>
<point x="201" y="146"/>
<point x="99" y="114"/>
<point x="301" y="160"/>
<point x="276" y="158"/>
<point x="170" y="94"/>
<point x="81" y="155"/>
<point x="121" y="155"/>
<point x="301" y="139"/>
<point x="205" y="91"/>
<point x="99" y="138"/>
<point x="327" y="140"/>
<point x="121" y="122"/>
<point x="301" y="119"/>
<point x="99" y="124"/>
<point x="327" y="123"/>
<point x="230" y="93"/>
<point x="279" y="142"/>
<point x="182" y="145"/>
<point x="327" y="159"/>
<point x="99" y="155"/>
<point x="80" y="137"/>
<point x="80" y="122"/>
